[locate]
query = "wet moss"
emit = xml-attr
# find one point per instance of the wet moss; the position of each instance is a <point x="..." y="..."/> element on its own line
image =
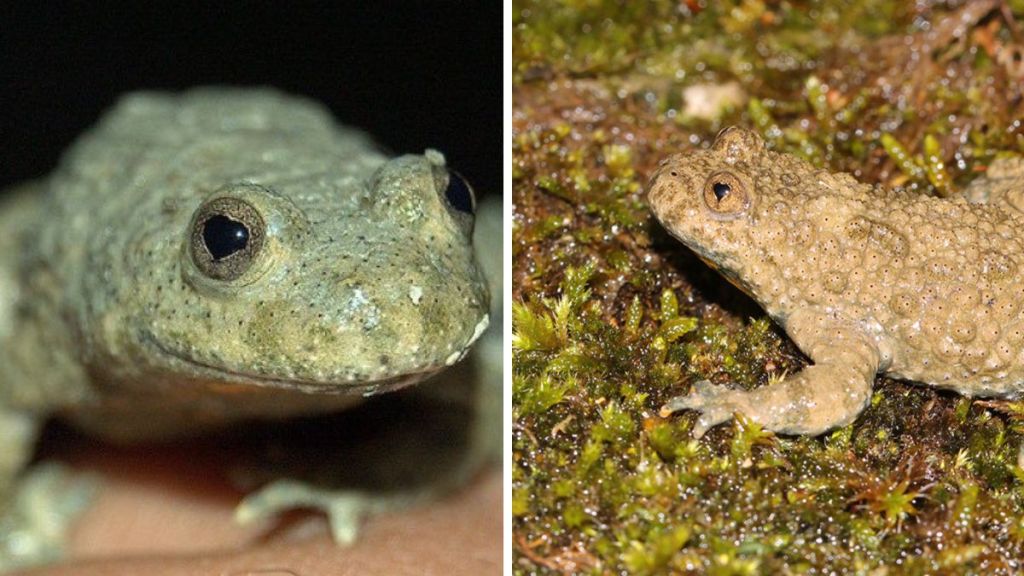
<point x="612" y="317"/>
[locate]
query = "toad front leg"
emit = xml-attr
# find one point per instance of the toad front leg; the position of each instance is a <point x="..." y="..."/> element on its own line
<point x="829" y="394"/>
<point x="37" y="505"/>
<point x="442" y="439"/>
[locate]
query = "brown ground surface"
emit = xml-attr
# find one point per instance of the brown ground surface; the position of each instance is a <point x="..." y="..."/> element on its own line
<point x="162" y="512"/>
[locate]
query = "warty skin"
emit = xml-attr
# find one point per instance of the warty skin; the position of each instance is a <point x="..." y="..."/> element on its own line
<point x="864" y="280"/>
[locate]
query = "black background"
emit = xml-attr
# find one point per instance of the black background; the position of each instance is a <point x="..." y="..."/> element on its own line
<point x="412" y="74"/>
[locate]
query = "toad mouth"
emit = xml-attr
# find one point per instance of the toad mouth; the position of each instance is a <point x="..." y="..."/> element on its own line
<point x="367" y="385"/>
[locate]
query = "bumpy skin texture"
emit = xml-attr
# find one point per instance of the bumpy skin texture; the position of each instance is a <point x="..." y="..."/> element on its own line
<point x="365" y="282"/>
<point x="864" y="280"/>
<point x="359" y="277"/>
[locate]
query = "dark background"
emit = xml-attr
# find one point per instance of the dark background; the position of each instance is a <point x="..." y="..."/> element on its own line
<point x="412" y="74"/>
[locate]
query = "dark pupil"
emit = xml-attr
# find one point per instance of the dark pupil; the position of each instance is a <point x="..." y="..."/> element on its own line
<point x="224" y="236"/>
<point x="721" y="190"/>
<point x="459" y="194"/>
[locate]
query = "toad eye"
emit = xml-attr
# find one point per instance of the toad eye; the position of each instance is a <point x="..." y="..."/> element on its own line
<point x="459" y="193"/>
<point x="721" y="190"/>
<point x="726" y="195"/>
<point x="226" y="235"/>
<point x="223" y="236"/>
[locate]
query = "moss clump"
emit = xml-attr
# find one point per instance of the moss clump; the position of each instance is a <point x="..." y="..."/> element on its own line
<point x="611" y="317"/>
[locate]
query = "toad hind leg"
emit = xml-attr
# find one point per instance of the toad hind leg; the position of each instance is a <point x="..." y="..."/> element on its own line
<point x="829" y="394"/>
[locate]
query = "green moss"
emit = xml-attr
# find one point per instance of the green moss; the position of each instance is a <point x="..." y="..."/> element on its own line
<point x="612" y="317"/>
<point x="745" y="37"/>
<point x="652" y="554"/>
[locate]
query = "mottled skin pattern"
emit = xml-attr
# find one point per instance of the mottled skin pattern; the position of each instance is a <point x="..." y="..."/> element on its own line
<point x="364" y="279"/>
<point x="864" y="280"/>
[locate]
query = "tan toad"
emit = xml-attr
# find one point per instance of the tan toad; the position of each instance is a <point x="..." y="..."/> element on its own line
<point x="864" y="280"/>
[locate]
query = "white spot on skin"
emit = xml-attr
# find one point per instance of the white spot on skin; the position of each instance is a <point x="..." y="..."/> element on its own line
<point x="481" y="326"/>
<point x="359" y="305"/>
<point x="415" y="294"/>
